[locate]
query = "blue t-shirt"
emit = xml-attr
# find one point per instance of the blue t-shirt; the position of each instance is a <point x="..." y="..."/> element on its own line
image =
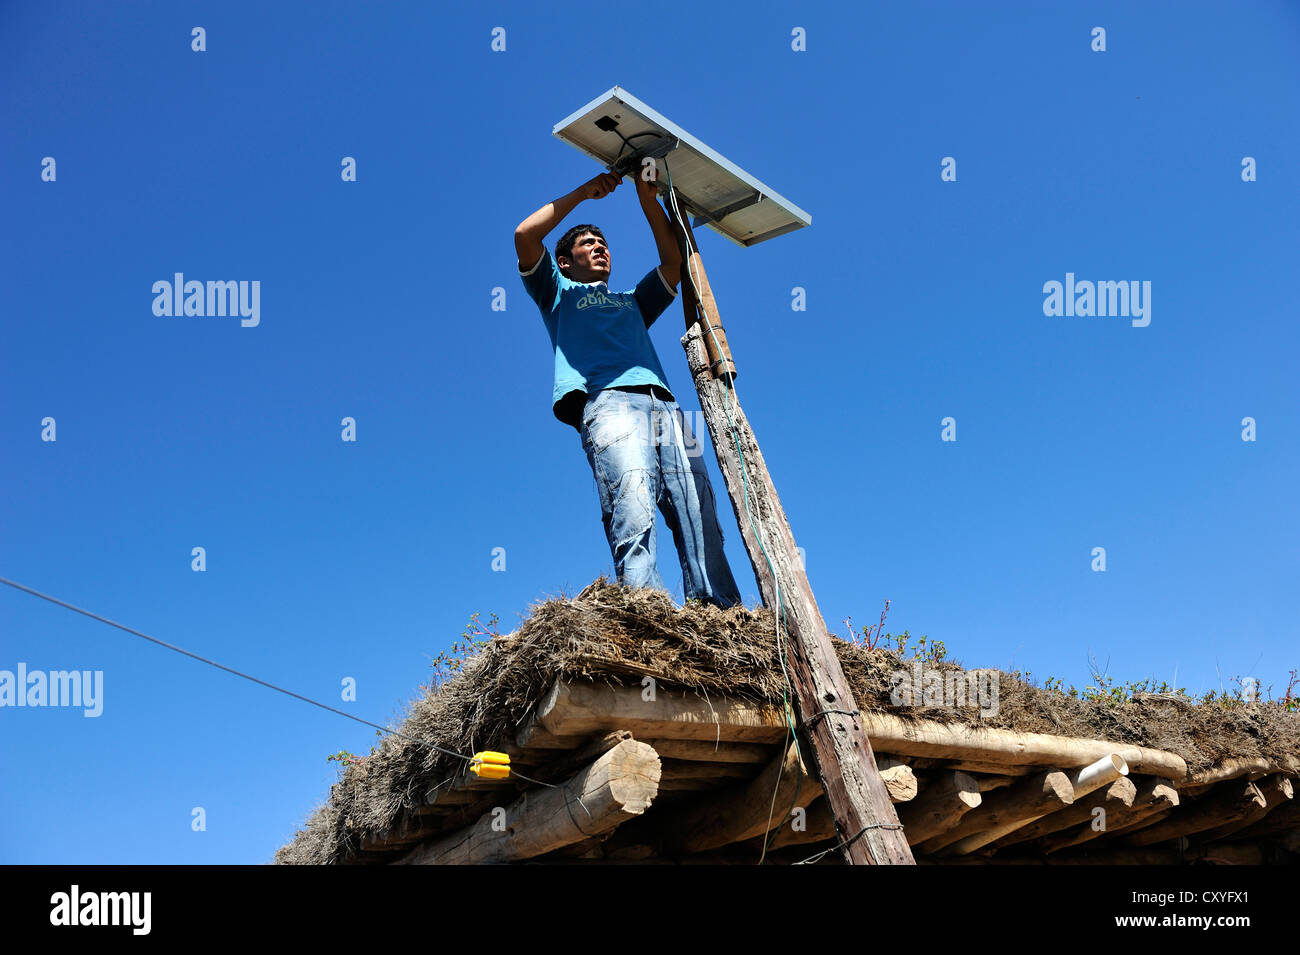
<point x="600" y="337"/>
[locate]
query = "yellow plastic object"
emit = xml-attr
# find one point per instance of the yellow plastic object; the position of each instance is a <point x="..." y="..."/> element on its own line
<point x="489" y="765"/>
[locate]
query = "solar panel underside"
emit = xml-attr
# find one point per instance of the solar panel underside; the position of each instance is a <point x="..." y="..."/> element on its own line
<point x="721" y="195"/>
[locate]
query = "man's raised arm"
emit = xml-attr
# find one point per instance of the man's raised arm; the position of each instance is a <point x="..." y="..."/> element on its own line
<point x="530" y="233"/>
<point x="670" y="257"/>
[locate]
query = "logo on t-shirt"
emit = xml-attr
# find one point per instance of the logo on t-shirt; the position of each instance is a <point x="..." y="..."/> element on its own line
<point x="597" y="298"/>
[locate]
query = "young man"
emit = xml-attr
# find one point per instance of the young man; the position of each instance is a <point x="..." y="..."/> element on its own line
<point x="610" y="386"/>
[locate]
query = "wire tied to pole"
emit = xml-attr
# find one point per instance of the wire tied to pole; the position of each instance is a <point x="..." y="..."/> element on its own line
<point x="813" y="859"/>
<point x="820" y="713"/>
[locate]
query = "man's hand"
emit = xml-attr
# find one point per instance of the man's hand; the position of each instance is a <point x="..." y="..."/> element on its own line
<point x="530" y="233"/>
<point x="670" y="258"/>
<point x="598" y="187"/>
<point x="646" y="190"/>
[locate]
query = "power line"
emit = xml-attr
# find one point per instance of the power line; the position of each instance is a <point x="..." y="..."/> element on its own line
<point x="246" y="676"/>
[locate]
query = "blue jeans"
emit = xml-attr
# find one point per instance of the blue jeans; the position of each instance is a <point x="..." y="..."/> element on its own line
<point x="643" y="454"/>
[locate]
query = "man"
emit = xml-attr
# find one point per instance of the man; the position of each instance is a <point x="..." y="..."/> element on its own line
<point x="610" y="386"/>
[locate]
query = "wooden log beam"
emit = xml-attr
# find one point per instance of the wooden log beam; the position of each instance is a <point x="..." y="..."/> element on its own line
<point x="1235" y="769"/>
<point x="840" y="752"/>
<point x="1001" y="770"/>
<point x="1277" y="790"/>
<point x="719" y="774"/>
<point x="743" y="811"/>
<point x="818" y="826"/>
<point x="708" y="751"/>
<point x="572" y="712"/>
<point x="899" y="779"/>
<point x="584" y="755"/>
<point x="690" y="785"/>
<point x="1082" y="782"/>
<point x="1281" y="819"/>
<point x="445" y="796"/>
<point x="1152" y="817"/>
<point x="1219" y="807"/>
<point x="1028" y="799"/>
<point x="1001" y="748"/>
<point x="1119" y="793"/>
<point x="579" y="709"/>
<point x="940" y="806"/>
<point x="534" y="736"/>
<point x="1155" y="797"/>
<point x="618" y="786"/>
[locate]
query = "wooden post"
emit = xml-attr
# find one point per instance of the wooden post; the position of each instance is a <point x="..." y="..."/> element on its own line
<point x="702" y="309"/>
<point x="831" y="729"/>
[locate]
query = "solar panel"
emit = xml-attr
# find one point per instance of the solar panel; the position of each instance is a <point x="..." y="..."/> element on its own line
<point x="617" y="130"/>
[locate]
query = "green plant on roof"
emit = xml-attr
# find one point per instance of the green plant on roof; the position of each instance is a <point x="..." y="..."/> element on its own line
<point x="473" y="640"/>
<point x="873" y="637"/>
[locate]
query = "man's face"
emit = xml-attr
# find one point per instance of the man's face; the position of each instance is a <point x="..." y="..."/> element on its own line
<point x="591" y="260"/>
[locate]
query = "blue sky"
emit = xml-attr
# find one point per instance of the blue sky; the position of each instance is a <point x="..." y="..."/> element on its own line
<point x="328" y="560"/>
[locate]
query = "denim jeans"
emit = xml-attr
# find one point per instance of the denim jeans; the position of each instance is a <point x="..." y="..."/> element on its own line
<point x="643" y="454"/>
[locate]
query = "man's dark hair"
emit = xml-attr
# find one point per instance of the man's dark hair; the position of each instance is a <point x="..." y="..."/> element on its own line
<point x="565" y="246"/>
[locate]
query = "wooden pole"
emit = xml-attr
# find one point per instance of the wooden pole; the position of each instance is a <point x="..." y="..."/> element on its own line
<point x="702" y="309"/>
<point x="841" y="756"/>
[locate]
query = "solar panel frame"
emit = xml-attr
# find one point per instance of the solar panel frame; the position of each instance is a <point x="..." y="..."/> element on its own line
<point x="747" y="211"/>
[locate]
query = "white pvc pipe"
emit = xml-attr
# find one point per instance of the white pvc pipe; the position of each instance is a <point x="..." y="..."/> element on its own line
<point x="1101" y="773"/>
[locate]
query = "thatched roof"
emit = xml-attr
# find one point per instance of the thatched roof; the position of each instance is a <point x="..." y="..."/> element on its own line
<point x="614" y="635"/>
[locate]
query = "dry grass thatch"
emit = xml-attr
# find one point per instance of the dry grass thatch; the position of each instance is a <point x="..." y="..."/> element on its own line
<point x="618" y="635"/>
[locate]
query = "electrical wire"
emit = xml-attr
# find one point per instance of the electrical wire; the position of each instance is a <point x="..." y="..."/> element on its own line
<point x="844" y="843"/>
<point x="265" y="683"/>
<point x="627" y="143"/>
